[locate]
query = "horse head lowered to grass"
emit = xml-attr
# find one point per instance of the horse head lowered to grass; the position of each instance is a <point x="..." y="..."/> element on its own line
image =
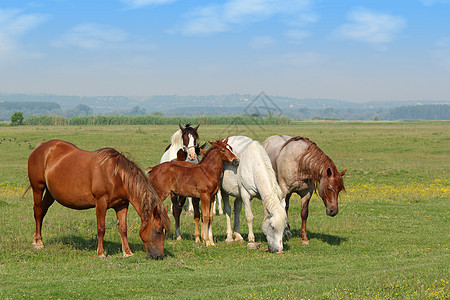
<point x="103" y="179"/>
<point x="303" y="168"/>
<point x="254" y="177"/>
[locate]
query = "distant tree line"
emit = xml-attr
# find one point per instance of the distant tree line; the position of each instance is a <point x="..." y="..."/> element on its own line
<point x="422" y="112"/>
<point x="52" y="111"/>
<point x="155" y="120"/>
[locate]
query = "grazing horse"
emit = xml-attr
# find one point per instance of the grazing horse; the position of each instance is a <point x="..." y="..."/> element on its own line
<point x="254" y="177"/>
<point x="195" y="180"/>
<point x="184" y="139"/>
<point x="103" y="179"/>
<point x="303" y="168"/>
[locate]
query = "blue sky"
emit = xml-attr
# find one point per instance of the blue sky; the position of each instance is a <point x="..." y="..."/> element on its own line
<point x="347" y="50"/>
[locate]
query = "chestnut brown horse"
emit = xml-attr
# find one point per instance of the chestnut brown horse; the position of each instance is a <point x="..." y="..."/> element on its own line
<point x="194" y="180"/>
<point x="103" y="179"/>
<point x="303" y="168"/>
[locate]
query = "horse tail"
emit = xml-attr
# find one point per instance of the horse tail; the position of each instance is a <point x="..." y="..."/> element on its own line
<point x="26" y="191"/>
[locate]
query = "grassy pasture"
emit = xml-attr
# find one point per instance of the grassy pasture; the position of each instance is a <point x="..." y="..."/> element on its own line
<point x="389" y="240"/>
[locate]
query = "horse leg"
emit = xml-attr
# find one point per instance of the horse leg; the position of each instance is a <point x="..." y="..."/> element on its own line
<point x="287" y="230"/>
<point x="121" y="214"/>
<point x="305" y="204"/>
<point x="195" y="203"/>
<point x="40" y="210"/>
<point x="190" y="207"/>
<point x="237" y="221"/>
<point x="227" y="207"/>
<point x="205" y="218"/>
<point x="100" y="210"/>
<point x="177" y="205"/>
<point x="219" y="202"/>
<point x="210" y="222"/>
<point x="248" y="215"/>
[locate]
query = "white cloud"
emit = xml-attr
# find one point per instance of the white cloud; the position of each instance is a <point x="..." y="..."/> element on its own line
<point x="370" y="27"/>
<point x="14" y="25"/>
<point x="91" y="36"/>
<point x="213" y="19"/>
<point x="143" y="3"/>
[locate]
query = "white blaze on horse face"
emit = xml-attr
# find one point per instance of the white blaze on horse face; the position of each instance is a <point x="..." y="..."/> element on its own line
<point x="191" y="148"/>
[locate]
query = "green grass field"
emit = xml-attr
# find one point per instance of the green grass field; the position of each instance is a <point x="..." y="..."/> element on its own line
<point x="390" y="239"/>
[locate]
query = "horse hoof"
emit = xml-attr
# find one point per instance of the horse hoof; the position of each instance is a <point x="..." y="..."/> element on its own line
<point x="252" y="246"/>
<point x="229" y="241"/>
<point x="197" y="240"/>
<point x="128" y="255"/>
<point x="179" y="238"/>
<point x="210" y="243"/>
<point x="38" y="246"/>
<point x="305" y="243"/>
<point x="102" y="256"/>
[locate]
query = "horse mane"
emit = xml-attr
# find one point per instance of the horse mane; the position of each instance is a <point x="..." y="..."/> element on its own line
<point x="271" y="195"/>
<point x="140" y="188"/>
<point x="315" y="162"/>
<point x="176" y="140"/>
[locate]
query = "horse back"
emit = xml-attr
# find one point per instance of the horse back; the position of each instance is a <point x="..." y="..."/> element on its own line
<point x="40" y="157"/>
<point x="273" y="146"/>
<point x="72" y="176"/>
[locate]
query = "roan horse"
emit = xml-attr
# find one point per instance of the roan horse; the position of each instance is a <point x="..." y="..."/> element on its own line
<point x="195" y="180"/>
<point x="254" y="177"/>
<point x="102" y="179"/>
<point x="303" y="168"/>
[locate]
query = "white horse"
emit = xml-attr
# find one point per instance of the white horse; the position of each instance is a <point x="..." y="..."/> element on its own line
<point x="254" y="177"/>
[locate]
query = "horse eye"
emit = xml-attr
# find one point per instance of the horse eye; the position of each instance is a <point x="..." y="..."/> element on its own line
<point x="330" y="189"/>
<point x="158" y="232"/>
<point x="222" y="150"/>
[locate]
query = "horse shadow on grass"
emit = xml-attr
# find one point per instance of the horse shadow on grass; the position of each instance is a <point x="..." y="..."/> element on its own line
<point x="111" y="248"/>
<point x="331" y="240"/>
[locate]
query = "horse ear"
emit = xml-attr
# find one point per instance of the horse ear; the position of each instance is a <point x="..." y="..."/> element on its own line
<point x="202" y="151"/>
<point x="195" y="128"/>
<point x="329" y="173"/>
<point x="225" y="140"/>
<point x="181" y="127"/>
<point x="343" y="172"/>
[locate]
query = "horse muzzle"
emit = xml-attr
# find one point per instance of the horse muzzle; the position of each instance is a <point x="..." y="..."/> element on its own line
<point x="235" y="162"/>
<point x="332" y="211"/>
<point x="155" y="257"/>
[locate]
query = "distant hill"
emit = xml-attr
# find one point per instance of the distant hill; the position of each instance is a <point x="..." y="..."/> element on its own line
<point x="232" y="104"/>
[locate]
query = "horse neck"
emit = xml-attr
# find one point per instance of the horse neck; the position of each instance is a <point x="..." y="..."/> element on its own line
<point x="213" y="162"/>
<point x="177" y="140"/>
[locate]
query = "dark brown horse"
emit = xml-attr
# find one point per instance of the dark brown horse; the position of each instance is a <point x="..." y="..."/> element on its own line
<point x="303" y="168"/>
<point x="195" y="180"/>
<point x="102" y="179"/>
